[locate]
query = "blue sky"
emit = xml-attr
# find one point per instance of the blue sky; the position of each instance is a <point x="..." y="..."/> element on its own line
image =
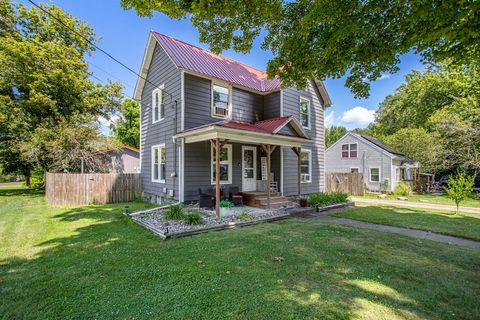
<point x="124" y="34"/>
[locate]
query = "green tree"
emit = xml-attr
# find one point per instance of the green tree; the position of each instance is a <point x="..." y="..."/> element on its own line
<point x="334" y="133"/>
<point x="44" y="79"/>
<point x="459" y="188"/>
<point x="329" y="39"/>
<point x="419" y="145"/>
<point x="127" y="127"/>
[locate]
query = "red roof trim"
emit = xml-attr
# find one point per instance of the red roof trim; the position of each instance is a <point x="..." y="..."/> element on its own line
<point x="124" y="146"/>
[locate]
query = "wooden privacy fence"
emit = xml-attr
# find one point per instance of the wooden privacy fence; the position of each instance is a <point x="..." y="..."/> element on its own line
<point x="350" y="183"/>
<point x="64" y="189"/>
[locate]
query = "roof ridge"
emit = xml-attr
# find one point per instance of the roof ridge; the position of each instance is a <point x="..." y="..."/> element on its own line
<point x="224" y="57"/>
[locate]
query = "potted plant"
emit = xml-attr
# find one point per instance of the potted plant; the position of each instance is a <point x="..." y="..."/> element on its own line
<point x="226" y="208"/>
<point x="303" y="202"/>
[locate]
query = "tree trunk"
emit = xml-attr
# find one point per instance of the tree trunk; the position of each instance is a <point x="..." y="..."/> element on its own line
<point x="27" y="181"/>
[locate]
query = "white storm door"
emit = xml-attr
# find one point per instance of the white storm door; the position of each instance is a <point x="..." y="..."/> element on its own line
<point x="249" y="168"/>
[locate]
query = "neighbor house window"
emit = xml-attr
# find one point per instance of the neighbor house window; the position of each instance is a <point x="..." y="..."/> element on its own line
<point x="374" y="174"/>
<point x="306" y="166"/>
<point x="354" y="170"/>
<point x="158" y="105"/>
<point x="225" y="164"/>
<point x="305" y="112"/>
<point x="349" y="150"/>
<point x="220" y="101"/>
<point x="159" y="161"/>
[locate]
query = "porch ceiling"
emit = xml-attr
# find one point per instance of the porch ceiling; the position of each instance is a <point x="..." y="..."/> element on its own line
<point x="243" y="136"/>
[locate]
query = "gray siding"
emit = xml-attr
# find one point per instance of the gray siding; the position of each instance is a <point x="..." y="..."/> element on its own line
<point x="246" y="106"/>
<point x="368" y="157"/>
<point x="161" y="71"/>
<point x="272" y="105"/>
<point x="291" y="99"/>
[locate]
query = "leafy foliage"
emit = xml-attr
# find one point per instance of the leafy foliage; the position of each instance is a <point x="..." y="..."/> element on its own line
<point x="402" y="189"/>
<point x="459" y="188"/>
<point x="193" y="218"/>
<point x="127" y="127"/>
<point x="175" y="212"/>
<point x="329" y="39"/>
<point x="226" y="204"/>
<point x="333" y="134"/>
<point x="245" y="215"/>
<point x="434" y="118"/>
<point x="327" y="198"/>
<point x="44" y="80"/>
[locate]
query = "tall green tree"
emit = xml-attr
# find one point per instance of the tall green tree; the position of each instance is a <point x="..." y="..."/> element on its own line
<point x="127" y="126"/>
<point x="434" y="117"/>
<point x="334" y="133"/>
<point x="329" y="39"/>
<point x="44" y="79"/>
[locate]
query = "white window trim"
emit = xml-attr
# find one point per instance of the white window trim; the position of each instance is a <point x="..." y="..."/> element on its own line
<point x="309" y="111"/>
<point x="230" y="91"/>
<point x="309" y="165"/>
<point x="230" y="164"/>
<point x="370" y="174"/>
<point x="159" y="147"/>
<point x="159" y="90"/>
<point x="358" y="169"/>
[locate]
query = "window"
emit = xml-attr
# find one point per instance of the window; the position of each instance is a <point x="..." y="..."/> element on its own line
<point x="354" y="170"/>
<point x="225" y="164"/>
<point x="220" y="101"/>
<point x="374" y="174"/>
<point x="306" y="166"/>
<point x="349" y="150"/>
<point x="305" y="112"/>
<point x="159" y="163"/>
<point x="158" y="104"/>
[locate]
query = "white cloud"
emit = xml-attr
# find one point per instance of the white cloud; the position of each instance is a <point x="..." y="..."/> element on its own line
<point x="384" y="76"/>
<point x="329" y="119"/>
<point x="358" y="116"/>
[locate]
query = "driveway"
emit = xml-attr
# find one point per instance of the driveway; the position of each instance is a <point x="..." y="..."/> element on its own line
<point x="411" y="204"/>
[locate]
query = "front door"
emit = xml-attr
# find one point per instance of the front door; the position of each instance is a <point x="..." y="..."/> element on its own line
<point x="249" y="168"/>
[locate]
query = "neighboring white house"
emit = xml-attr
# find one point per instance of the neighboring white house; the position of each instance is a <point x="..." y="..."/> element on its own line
<point x="382" y="167"/>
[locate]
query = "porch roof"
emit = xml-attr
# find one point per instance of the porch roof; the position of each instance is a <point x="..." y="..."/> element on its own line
<point x="260" y="132"/>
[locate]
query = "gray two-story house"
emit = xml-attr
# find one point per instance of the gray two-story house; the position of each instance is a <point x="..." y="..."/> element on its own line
<point x="194" y="102"/>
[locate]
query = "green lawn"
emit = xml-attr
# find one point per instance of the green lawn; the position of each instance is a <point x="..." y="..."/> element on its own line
<point x="443" y="199"/>
<point x="466" y="225"/>
<point x="93" y="262"/>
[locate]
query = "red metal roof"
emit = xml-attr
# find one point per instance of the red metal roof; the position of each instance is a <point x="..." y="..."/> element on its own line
<point x="269" y="126"/>
<point x="199" y="60"/>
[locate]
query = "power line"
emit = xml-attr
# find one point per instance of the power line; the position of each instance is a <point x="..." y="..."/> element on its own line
<point x="100" y="49"/>
<point x="111" y="75"/>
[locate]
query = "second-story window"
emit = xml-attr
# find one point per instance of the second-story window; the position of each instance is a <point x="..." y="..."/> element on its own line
<point x="305" y="112"/>
<point x="158" y="105"/>
<point x="349" y="150"/>
<point x="220" y="101"/>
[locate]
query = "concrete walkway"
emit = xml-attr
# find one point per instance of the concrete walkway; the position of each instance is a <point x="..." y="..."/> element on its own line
<point x="412" y="204"/>
<point x="403" y="231"/>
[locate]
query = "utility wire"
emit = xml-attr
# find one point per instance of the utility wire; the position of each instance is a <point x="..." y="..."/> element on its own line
<point x="100" y="49"/>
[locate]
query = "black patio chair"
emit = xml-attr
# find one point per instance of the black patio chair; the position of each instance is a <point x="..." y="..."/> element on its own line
<point x="235" y="196"/>
<point x="206" y="199"/>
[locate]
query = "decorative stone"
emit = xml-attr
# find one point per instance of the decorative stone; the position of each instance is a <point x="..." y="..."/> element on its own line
<point x="402" y="198"/>
<point x="382" y="196"/>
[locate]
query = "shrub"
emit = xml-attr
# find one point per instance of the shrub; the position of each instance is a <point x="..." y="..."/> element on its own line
<point x="226" y="204"/>
<point x="459" y="187"/>
<point x="245" y="215"/>
<point x="325" y="199"/>
<point x="402" y="189"/>
<point x="193" y="218"/>
<point x="174" y="212"/>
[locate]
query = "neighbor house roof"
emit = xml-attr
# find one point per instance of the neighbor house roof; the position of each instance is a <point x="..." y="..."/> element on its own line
<point x="381" y="145"/>
<point x="200" y="61"/>
<point x="124" y="146"/>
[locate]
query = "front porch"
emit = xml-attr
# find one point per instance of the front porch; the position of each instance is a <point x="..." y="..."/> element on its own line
<point x="245" y="156"/>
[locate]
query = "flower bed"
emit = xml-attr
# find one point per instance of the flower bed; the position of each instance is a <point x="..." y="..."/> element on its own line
<point x="156" y="220"/>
